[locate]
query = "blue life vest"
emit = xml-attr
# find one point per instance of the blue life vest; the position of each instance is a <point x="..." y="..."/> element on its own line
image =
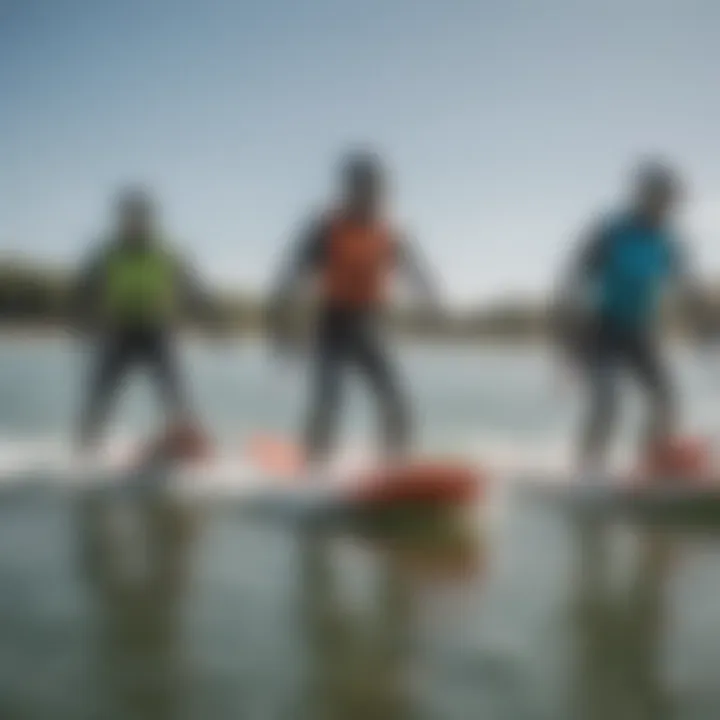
<point x="637" y="263"/>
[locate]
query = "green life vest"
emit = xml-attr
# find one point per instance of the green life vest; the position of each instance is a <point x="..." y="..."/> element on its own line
<point x="140" y="284"/>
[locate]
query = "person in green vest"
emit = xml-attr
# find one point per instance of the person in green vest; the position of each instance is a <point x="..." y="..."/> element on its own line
<point x="128" y="297"/>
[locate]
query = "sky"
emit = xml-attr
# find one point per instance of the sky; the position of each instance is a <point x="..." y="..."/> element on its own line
<point x="506" y="124"/>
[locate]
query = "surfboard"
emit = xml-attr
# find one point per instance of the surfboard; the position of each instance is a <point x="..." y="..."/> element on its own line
<point x="266" y="478"/>
<point x="676" y="480"/>
<point x="355" y="485"/>
<point x="673" y="498"/>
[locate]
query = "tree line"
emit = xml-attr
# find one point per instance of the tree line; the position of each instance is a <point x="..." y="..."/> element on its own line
<point x="36" y="295"/>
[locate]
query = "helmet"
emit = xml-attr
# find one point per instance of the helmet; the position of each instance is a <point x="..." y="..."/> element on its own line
<point x="135" y="200"/>
<point x="657" y="177"/>
<point x="362" y="168"/>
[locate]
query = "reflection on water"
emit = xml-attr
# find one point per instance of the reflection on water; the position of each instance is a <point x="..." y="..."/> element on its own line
<point x="356" y="664"/>
<point x="165" y="613"/>
<point x="361" y="665"/>
<point x="134" y="557"/>
<point x="621" y="631"/>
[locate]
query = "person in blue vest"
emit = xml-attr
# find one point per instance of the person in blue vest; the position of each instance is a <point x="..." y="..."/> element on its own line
<point x="612" y="305"/>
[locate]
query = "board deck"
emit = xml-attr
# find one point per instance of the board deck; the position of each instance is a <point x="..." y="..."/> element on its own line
<point x="675" y="498"/>
<point x="239" y="479"/>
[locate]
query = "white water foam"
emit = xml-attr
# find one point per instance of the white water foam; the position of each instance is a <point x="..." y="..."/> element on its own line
<point x="48" y="453"/>
<point x="52" y="461"/>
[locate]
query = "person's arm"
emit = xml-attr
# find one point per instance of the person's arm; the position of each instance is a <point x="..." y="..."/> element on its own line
<point x="196" y="296"/>
<point x="696" y="308"/>
<point x="570" y="303"/>
<point x="305" y="257"/>
<point x="584" y="266"/>
<point x="588" y="260"/>
<point x="412" y="264"/>
<point x="86" y="289"/>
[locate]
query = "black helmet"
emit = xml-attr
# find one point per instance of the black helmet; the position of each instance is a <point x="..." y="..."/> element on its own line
<point x="657" y="177"/>
<point x="134" y="200"/>
<point x="362" y="168"/>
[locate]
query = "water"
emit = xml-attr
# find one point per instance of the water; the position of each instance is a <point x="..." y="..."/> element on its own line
<point x="166" y="611"/>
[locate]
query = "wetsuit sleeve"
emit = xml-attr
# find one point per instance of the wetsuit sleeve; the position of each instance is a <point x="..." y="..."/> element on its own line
<point x="311" y="249"/>
<point x="306" y="256"/>
<point x="196" y="296"/>
<point x="568" y="314"/>
<point x="593" y="251"/>
<point x="411" y="261"/>
<point x="87" y="285"/>
<point x="588" y="260"/>
<point x="696" y="308"/>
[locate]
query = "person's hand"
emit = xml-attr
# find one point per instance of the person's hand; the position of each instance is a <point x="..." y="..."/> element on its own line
<point x="87" y="328"/>
<point x="282" y="338"/>
<point x="219" y="331"/>
<point x="434" y="308"/>
<point x="285" y="345"/>
<point x="704" y="333"/>
<point x="431" y="313"/>
<point x="701" y="318"/>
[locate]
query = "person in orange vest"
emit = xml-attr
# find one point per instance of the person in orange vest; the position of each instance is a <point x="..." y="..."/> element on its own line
<point x="354" y="251"/>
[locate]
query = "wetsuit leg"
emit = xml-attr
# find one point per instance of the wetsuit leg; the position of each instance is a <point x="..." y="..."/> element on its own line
<point x="601" y="371"/>
<point x="330" y="355"/>
<point x="162" y="358"/>
<point x="644" y="359"/>
<point x="371" y="357"/>
<point x="116" y="354"/>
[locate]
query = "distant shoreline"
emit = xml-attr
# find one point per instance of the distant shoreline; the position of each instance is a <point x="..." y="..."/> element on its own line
<point x="36" y="333"/>
<point x="35" y="304"/>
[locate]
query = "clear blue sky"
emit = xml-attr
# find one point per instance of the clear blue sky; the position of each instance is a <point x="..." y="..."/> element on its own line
<point x="506" y="122"/>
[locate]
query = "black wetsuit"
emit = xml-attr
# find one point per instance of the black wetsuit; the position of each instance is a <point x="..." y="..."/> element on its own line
<point x="628" y="263"/>
<point x="123" y="346"/>
<point x="352" y="339"/>
<point x="348" y="338"/>
<point x="121" y="350"/>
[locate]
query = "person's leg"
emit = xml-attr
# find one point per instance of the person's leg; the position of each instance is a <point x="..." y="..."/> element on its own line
<point x="601" y="370"/>
<point x="645" y="360"/>
<point x="161" y="353"/>
<point x="326" y="389"/>
<point x="114" y="356"/>
<point x="372" y="358"/>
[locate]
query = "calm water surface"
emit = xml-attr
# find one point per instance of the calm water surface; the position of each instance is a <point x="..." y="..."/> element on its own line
<point x="161" y="610"/>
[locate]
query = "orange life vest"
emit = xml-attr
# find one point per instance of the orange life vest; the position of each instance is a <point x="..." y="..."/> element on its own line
<point x="359" y="263"/>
